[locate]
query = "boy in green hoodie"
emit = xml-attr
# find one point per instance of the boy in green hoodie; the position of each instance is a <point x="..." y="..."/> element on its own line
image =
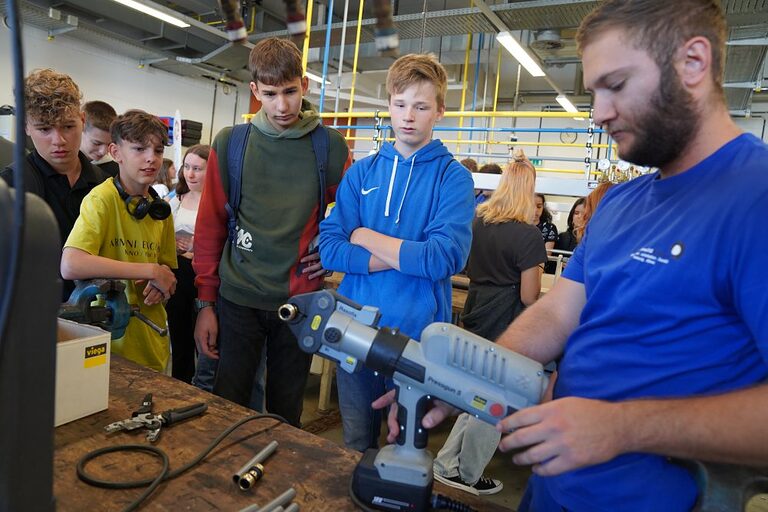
<point x="243" y="279"/>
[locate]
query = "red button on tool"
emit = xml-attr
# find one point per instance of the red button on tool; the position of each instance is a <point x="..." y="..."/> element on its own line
<point x="496" y="410"/>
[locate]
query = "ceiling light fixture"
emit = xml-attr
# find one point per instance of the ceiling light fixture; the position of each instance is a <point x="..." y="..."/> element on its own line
<point x="566" y="104"/>
<point x="510" y="43"/>
<point x="316" y="78"/>
<point x="133" y="4"/>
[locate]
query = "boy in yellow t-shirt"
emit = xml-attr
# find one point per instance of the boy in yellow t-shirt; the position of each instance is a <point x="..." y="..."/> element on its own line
<point x="125" y="232"/>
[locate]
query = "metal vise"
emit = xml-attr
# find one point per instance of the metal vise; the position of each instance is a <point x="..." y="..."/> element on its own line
<point x="113" y="316"/>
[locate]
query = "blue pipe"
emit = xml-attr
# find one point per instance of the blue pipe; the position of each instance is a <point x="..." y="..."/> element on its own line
<point x="327" y="52"/>
<point x="477" y="129"/>
<point x="474" y="88"/>
<point x="507" y="157"/>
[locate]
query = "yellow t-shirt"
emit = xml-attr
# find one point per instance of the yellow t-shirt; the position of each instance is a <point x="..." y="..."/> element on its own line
<point x="105" y="228"/>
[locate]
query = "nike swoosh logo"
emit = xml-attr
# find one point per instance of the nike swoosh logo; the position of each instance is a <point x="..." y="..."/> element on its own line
<point x="366" y="192"/>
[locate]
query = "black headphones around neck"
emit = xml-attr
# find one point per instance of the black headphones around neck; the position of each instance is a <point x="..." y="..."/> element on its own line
<point x="140" y="206"/>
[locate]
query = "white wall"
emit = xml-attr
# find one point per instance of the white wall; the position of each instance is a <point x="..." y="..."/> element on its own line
<point x="118" y="81"/>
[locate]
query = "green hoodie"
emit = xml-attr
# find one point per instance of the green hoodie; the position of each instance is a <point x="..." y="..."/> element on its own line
<point x="277" y="218"/>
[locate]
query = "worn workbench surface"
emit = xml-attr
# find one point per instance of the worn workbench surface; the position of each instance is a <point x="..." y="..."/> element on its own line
<point x="318" y="469"/>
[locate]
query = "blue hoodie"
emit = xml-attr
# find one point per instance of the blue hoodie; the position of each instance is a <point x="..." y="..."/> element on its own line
<point x="427" y="200"/>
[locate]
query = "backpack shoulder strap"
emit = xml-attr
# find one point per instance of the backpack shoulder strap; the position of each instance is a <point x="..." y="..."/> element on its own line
<point x="238" y="140"/>
<point x="321" y="145"/>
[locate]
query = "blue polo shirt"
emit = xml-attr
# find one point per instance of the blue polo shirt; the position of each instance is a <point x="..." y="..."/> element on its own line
<point x="675" y="276"/>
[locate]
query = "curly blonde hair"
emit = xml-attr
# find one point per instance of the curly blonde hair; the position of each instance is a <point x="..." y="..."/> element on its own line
<point x="51" y="97"/>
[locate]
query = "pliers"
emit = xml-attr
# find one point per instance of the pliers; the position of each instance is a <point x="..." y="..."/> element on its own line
<point x="143" y="418"/>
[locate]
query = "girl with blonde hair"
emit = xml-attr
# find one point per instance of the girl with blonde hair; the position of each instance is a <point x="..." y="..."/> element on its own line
<point x="504" y="278"/>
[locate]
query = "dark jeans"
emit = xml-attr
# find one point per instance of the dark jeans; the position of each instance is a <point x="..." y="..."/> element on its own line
<point x="243" y="334"/>
<point x="181" y="322"/>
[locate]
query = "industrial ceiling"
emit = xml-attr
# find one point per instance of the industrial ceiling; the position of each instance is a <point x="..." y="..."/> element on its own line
<point x="546" y="26"/>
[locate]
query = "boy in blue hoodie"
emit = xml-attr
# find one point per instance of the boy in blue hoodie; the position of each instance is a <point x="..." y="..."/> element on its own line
<point x="400" y="229"/>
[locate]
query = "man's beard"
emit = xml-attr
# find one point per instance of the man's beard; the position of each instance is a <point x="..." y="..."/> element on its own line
<point x="668" y="125"/>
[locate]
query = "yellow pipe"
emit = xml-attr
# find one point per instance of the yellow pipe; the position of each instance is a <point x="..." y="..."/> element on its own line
<point x="502" y="114"/>
<point x="305" y="52"/>
<point x="369" y="139"/>
<point x="354" y="66"/>
<point x="499" y="142"/>
<point x="464" y="83"/>
<point x="496" y="93"/>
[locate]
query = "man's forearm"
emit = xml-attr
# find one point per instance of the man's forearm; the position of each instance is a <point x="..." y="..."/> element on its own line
<point x="728" y="428"/>
<point x="542" y="330"/>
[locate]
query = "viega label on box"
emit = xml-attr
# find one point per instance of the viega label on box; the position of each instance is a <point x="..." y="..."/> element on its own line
<point x="95" y="355"/>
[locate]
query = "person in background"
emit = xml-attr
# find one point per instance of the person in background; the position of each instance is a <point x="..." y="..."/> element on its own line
<point x="241" y="281"/>
<point x="400" y="229"/>
<point x="125" y="232"/>
<point x="165" y="178"/>
<point x="543" y="221"/>
<point x="96" y="137"/>
<point x="181" y="307"/>
<point x="567" y="240"/>
<point x="56" y="169"/>
<point x="503" y="271"/>
<point x="590" y="207"/>
<point x="482" y="195"/>
<point x="470" y="164"/>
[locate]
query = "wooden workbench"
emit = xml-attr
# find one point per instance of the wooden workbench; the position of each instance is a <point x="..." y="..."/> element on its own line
<point x="318" y="469"/>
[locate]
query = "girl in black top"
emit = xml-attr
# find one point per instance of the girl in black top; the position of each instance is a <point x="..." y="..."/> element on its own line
<point x="567" y="240"/>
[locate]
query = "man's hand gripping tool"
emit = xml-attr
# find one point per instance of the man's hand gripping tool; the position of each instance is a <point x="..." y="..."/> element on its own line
<point x="143" y="418"/>
<point x="450" y="364"/>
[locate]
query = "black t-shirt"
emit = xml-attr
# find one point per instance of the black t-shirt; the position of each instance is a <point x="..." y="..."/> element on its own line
<point x="548" y="231"/>
<point x="110" y="168"/>
<point x="41" y="179"/>
<point x="501" y="252"/>
<point x="566" y="241"/>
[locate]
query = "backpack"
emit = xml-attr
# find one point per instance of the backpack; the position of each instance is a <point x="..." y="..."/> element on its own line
<point x="238" y="140"/>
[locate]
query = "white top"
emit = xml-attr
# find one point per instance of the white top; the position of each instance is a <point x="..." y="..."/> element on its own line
<point x="161" y="189"/>
<point x="183" y="218"/>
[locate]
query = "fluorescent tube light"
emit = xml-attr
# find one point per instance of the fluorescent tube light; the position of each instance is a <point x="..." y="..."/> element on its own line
<point x="566" y="104"/>
<point x="517" y="51"/>
<point x="133" y="4"/>
<point x="315" y="78"/>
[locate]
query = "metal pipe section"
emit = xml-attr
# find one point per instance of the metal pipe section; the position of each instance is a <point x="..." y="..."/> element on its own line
<point x="253" y="470"/>
<point x="280" y="500"/>
<point x="464" y="85"/>
<point x="474" y="87"/>
<point x="341" y="56"/>
<point x="326" y="53"/>
<point x="307" y="33"/>
<point x="354" y="65"/>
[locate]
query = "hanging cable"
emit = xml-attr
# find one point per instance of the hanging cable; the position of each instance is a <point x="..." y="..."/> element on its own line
<point x="423" y="25"/>
<point x="11" y="272"/>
